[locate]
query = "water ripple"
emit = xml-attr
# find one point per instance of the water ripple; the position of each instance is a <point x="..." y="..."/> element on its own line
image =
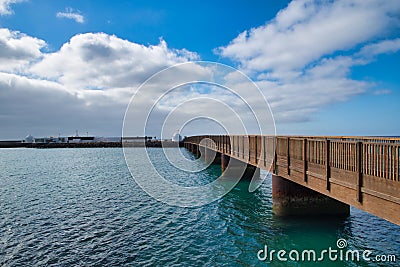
<point x="80" y="207"/>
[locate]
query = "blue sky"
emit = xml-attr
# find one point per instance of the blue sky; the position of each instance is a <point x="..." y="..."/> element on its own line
<point x="195" y="25"/>
<point x="326" y="67"/>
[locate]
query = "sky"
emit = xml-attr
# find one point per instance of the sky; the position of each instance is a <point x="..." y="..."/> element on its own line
<point x="325" y="67"/>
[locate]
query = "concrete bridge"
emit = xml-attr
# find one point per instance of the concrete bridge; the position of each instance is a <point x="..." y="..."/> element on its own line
<point x="316" y="175"/>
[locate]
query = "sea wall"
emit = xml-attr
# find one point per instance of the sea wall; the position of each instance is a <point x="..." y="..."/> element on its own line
<point x="159" y="144"/>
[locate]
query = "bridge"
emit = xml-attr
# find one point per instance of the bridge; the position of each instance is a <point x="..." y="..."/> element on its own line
<point x="315" y="175"/>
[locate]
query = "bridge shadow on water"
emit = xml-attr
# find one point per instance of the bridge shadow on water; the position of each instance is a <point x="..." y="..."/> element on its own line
<point x="251" y="225"/>
<point x="244" y="224"/>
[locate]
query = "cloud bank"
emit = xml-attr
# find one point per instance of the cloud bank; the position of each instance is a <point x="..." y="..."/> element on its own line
<point x="18" y="50"/>
<point x="302" y="59"/>
<point x="86" y="85"/>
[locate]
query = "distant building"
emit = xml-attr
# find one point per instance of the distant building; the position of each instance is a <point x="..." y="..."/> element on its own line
<point x="108" y="139"/>
<point x="29" y="139"/>
<point x="46" y="140"/>
<point x="136" y="139"/>
<point x="81" y="139"/>
<point x="177" y="137"/>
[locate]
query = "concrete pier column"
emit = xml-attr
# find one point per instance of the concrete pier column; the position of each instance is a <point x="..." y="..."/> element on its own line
<point x="211" y="156"/>
<point x="289" y="198"/>
<point x="217" y="159"/>
<point x="202" y="151"/>
<point x="251" y="172"/>
<point x="196" y="151"/>
<point x="232" y="167"/>
<point x="191" y="148"/>
<point x="224" y="161"/>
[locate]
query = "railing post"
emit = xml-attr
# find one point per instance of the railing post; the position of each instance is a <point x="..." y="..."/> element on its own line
<point x="263" y="150"/>
<point x="224" y="144"/>
<point x="288" y="155"/>
<point x="359" y="159"/>
<point x="305" y="159"/>
<point x="275" y="163"/>
<point x="248" y="148"/>
<point x="229" y="144"/>
<point x="233" y="146"/>
<point x="255" y="149"/>
<point x="327" y="164"/>
<point x="242" y="146"/>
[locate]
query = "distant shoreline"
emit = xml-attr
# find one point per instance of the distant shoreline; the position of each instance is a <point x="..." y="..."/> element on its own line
<point x="159" y="144"/>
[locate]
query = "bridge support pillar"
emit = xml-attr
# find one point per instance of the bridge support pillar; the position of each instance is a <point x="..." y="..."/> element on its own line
<point x="210" y="156"/>
<point x="237" y="167"/>
<point x="224" y="161"/>
<point x="196" y="151"/>
<point x="289" y="198"/>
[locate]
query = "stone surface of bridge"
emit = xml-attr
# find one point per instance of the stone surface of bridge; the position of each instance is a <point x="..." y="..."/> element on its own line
<point x="317" y="175"/>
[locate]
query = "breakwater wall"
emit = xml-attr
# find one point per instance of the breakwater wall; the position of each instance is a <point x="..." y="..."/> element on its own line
<point x="157" y="144"/>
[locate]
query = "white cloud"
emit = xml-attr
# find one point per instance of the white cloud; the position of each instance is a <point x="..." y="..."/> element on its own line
<point x="99" y="60"/>
<point x="86" y="85"/>
<point x="309" y="29"/>
<point x="382" y="92"/>
<point x="303" y="58"/>
<point x="18" y="49"/>
<point x="44" y="108"/>
<point x="382" y="47"/>
<point x="5" y="6"/>
<point x="299" y="99"/>
<point x="71" y="14"/>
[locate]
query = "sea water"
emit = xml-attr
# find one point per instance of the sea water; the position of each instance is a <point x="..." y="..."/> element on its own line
<point x="81" y="207"/>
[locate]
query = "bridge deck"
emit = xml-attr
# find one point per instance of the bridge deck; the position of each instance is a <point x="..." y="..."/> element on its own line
<point x="360" y="171"/>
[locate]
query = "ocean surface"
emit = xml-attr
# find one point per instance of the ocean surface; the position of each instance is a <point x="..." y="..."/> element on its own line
<point x="81" y="207"/>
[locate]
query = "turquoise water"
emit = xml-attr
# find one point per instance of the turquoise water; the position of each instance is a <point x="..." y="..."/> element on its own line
<point x="81" y="207"/>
